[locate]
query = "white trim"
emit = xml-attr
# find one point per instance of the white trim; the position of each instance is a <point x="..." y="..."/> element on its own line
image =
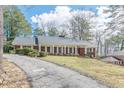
<point x="39" y="48"/>
<point x="62" y="50"/>
<point x="76" y="50"/>
<point x="52" y="49"/>
<point x="21" y="47"/>
<point x="72" y="50"/>
<point x="68" y="50"/>
<point x="46" y="49"/>
<point x="32" y="47"/>
<point x="57" y="49"/>
<point x="85" y="50"/>
<point x="65" y="50"/>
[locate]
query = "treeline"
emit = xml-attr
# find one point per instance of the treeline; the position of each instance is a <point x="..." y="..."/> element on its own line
<point x="78" y="28"/>
<point x="116" y="27"/>
<point x="15" y="23"/>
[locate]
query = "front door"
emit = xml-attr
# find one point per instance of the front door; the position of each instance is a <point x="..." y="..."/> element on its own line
<point x="81" y="51"/>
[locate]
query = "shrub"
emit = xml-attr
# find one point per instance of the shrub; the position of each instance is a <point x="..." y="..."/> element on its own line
<point x="33" y="53"/>
<point x="7" y="48"/>
<point x="27" y="50"/>
<point x="19" y="51"/>
<point x="42" y="54"/>
<point x="89" y="54"/>
<point x="30" y="52"/>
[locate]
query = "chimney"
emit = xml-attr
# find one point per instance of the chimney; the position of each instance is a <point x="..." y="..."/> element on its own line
<point x="61" y="36"/>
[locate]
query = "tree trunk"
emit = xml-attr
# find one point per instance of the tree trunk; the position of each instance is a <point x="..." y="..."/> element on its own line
<point x="101" y="54"/>
<point x="1" y="35"/>
<point x="122" y="44"/>
<point x="105" y="48"/>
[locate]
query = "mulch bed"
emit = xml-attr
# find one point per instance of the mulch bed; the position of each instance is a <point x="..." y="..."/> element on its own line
<point x="13" y="76"/>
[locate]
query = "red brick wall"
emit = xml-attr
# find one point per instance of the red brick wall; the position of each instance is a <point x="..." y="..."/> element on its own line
<point x="35" y="47"/>
<point x="81" y="51"/>
<point x="42" y="48"/>
<point x="17" y="46"/>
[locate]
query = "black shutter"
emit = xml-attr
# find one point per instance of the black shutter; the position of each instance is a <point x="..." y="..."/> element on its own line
<point x="36" y="40"/>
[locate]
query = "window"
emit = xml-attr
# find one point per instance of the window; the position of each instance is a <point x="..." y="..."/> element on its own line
<point x="74" y="51"/>
<point x="88" y="50"/>
<point x="70" y="50"/>
<point x="42" y="48"/>
<point x="55" y="49"/>
<point x="59" y="49"/>
<point x="35" y="47"/>
<point x="26" y="46"/>
<point x="48" y="49"/>
<point x="66" y="50"/>
<point x="63" y="50"/>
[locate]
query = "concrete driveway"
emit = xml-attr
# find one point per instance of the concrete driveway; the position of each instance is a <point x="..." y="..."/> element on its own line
<point x="44" y="74"/>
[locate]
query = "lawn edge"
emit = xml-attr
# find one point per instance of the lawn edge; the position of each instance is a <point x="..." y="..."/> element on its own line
<point x="27" y="77"/>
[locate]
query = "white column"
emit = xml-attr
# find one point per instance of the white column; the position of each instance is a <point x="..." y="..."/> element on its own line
<point x="76" y="50"/>
<point x="73" y="50"/>
<point x="57" y="50"/>
<point x="53" y="49"/>
<point x="46" y="49"/>
<point x="64" y="49"/>
<point x="32" y="47"/>
<point x="21" y="46"/>
<point x="85" y="50"/>
<point x="39" y="48"/>
<point x="68" y="50"/>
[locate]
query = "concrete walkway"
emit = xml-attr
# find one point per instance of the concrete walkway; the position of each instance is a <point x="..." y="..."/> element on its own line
<point x="44" y="74"/>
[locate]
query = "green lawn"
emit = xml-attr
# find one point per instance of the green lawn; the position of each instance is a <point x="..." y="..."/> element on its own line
<point x="109" y="74"/>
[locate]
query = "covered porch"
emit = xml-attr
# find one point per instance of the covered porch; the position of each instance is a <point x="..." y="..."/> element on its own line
<point x="74" y="50"/>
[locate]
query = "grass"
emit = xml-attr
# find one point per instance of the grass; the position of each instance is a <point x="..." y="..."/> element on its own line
<point x="109" y="74"/>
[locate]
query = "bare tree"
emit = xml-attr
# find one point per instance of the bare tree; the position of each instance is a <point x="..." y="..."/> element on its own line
<point x="79" y="25"/>
<point x="52" y="29"/>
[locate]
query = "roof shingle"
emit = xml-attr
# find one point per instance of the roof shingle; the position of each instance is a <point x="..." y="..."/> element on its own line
<point x="47" y="40"/>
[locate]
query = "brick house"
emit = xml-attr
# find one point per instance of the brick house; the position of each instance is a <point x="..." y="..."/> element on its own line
<point x="56" y="45"/>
